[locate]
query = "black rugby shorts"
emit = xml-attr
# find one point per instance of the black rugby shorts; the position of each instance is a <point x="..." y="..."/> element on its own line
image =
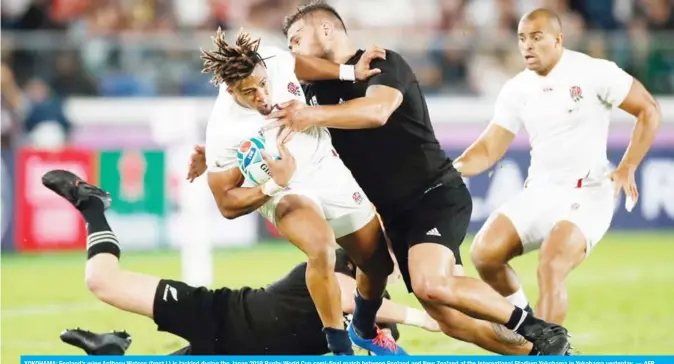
<point x="196" y="314"/>
<point x="441" y="216"/>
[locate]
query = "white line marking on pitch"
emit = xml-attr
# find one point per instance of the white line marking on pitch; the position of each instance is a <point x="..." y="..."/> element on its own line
<point x="31" y="344"/>
<point x="46" y="310"/>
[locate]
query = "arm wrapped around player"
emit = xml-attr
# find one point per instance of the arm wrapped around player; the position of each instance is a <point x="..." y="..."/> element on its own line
<point x="309" y="68"/>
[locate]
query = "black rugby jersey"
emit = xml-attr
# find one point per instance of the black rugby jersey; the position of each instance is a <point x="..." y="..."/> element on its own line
<point x="281" y="319"/>
<point x="397" y="163"/>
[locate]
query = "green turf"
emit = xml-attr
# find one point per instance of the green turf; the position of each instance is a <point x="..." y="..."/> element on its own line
<point x="620" y="299"/>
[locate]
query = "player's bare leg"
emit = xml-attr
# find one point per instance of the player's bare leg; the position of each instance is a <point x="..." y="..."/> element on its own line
<point x="432" y="274"/>
<point x="301" y="222"/>
<point x="487" y="335"/>
<point x="434" y="281"/>
<point x="562" y="251"/>
<point x="494" y="246"/>
<point x="368" y="249"/>
<point x="129" y="291"/>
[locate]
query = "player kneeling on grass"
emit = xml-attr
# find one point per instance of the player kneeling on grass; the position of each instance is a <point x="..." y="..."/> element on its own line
<point x="280" y="319"/>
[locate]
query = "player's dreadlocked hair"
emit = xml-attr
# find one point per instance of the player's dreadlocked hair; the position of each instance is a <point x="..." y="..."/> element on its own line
<point x="310" y="8"/>
<point x="231" y="63"/>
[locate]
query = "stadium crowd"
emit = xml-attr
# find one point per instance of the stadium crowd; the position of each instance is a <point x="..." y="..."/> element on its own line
<point x="53" y="49"/>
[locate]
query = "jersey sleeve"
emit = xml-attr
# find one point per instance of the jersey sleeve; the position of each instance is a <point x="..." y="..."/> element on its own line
<point x="220" y="148"/>
<point x="395" y="72"/>
<point x="613" y="83"/>
<point x="281" y="68"/>
<point x="506" y="111"/>
<point x="278" y="61"/>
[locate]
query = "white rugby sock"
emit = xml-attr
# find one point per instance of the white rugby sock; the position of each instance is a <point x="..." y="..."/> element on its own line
<point x="518" y="299"/>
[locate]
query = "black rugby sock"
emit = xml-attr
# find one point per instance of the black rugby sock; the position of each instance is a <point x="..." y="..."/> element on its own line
<point x="364" y="316"/>
<point x="338" y="341"/>
<point x="100" y="238"/>
<point x="517" y="319"/>
<point x="533" y="351"/>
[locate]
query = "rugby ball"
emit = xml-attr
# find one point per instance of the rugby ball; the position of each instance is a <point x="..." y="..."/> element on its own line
<point x="249" y="159"/>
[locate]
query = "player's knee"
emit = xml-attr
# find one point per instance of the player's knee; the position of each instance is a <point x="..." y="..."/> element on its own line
<point x="432" y="288"/>
<point x="101" y="275"/>
<point x="97" y="281"/>
<point x="321" y="258"/>
<point x="552" y="267"/>
<point x="493" y="247"/>
<point x="483" y="255"/>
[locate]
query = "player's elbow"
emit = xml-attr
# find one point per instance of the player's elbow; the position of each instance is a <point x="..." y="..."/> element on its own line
<point x="380" y="115"/>
<point x="226" y="210"/>
<point x="651" y="115"/>
<point x="229" y="214"/>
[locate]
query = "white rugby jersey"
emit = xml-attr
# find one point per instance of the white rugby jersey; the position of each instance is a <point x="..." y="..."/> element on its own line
<point x="565" y="113"/>
<point x="230" y="123"/>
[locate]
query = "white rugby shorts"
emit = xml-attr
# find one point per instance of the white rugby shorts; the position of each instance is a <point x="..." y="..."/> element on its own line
<point x="332" y="187"/>
<point x="536" y="209"/>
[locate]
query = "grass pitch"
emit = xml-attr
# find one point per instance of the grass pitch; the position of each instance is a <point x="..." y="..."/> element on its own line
<point x="620" y="298"/>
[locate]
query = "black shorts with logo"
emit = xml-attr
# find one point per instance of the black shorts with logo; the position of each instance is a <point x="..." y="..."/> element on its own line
<point x="441" y="216"/>
<point x="197" y="314"/>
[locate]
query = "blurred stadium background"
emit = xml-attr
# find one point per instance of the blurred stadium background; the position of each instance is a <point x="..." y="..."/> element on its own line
<point x="112" y="89"/>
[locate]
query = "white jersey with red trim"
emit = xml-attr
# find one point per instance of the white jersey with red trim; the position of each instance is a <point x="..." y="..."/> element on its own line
<point x="565" y="113"/>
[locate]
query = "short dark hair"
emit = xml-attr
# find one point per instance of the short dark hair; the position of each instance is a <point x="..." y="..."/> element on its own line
<point x="548" y="14"/>
<point x="231" y="63"/>
<point x="310" y="8"/>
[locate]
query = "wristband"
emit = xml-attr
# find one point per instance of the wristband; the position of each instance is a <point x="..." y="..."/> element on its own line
<point x="270" y="188"/>
<point x="414" y="317"/>
<point x="347" y="72"/>
<point x="629" y="203"/>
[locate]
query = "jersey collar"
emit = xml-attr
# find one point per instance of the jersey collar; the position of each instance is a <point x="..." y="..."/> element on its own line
<point x="561" y="64"/>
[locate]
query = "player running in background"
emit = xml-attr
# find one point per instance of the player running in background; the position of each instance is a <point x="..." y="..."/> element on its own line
<point x="563" y="100"/>
<point x="280" y="319"/>
<point x="312" y="198"/>
<point x="382" y="131"/>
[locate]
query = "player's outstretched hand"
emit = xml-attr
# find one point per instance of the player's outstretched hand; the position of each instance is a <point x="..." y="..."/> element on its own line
<point x="623" y="178"/>
<point x="281" y="170"/>
<point x="362" y="68"/>
<point x="197" y="165"/>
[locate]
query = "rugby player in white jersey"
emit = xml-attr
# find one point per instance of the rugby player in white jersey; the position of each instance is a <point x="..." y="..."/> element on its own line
<point x="312" y="197"/>
<point x="564" y="101"/>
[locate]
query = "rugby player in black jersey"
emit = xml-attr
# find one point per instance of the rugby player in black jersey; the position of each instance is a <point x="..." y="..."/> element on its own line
<point x="280" y="319"/>
<point x="382" y="132"/>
